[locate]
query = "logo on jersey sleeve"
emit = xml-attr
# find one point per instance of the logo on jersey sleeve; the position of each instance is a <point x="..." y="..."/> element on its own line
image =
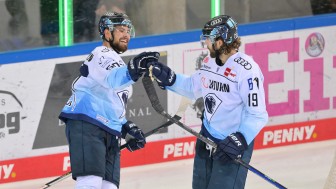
<point x="90" y="57"/>
<point x="241" y="61"/>
<point x="211" y="102"/>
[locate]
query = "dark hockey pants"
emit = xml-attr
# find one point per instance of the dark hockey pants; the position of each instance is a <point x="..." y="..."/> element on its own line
<point x="211" y="174"/>
<point x="93" y="151"/>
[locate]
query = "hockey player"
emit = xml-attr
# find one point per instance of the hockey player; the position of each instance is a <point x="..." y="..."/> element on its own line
<point x="231" y="84"/>
<point x="95" y="113"/>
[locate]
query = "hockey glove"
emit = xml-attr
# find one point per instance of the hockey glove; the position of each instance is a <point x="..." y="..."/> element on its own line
<point x="138" y="139"/>
<point x="138" y="65"/>
<point x="163" y="75"/>
<point x="232" y="147"/>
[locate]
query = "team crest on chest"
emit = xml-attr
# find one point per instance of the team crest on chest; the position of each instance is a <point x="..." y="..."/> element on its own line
<point x="123" y="96"/>
<point x="211" y="102"/>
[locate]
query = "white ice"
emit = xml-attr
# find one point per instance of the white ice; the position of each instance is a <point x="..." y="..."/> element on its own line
<point x="301" y="166"/>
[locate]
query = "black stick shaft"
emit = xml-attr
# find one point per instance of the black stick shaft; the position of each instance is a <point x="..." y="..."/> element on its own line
<point x="56" y="180"/>
<point x="168" y="123"/>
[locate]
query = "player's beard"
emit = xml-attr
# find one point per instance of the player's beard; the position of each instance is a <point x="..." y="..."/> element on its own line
<point x="212" y="53"/>
<point x="118" y="46"/>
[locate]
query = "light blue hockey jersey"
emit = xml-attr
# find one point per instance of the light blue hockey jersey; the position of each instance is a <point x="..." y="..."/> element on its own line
<point x="233" y="94"/>
<point x="101" y="97"/>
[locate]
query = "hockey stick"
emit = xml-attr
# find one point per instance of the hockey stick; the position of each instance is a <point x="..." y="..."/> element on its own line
<point x="150" y="90"/>
<point x="56" y="180"/>
<point x="181" y="109"/>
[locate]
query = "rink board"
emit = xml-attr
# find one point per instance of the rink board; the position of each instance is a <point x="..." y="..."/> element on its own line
<point x="299" y="86"/>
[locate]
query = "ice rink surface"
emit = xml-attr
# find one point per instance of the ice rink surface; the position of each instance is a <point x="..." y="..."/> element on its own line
<point x="301" y="166"/>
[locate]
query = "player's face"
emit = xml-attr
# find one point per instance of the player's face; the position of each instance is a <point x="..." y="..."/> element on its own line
<point x="122" y="36"/>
